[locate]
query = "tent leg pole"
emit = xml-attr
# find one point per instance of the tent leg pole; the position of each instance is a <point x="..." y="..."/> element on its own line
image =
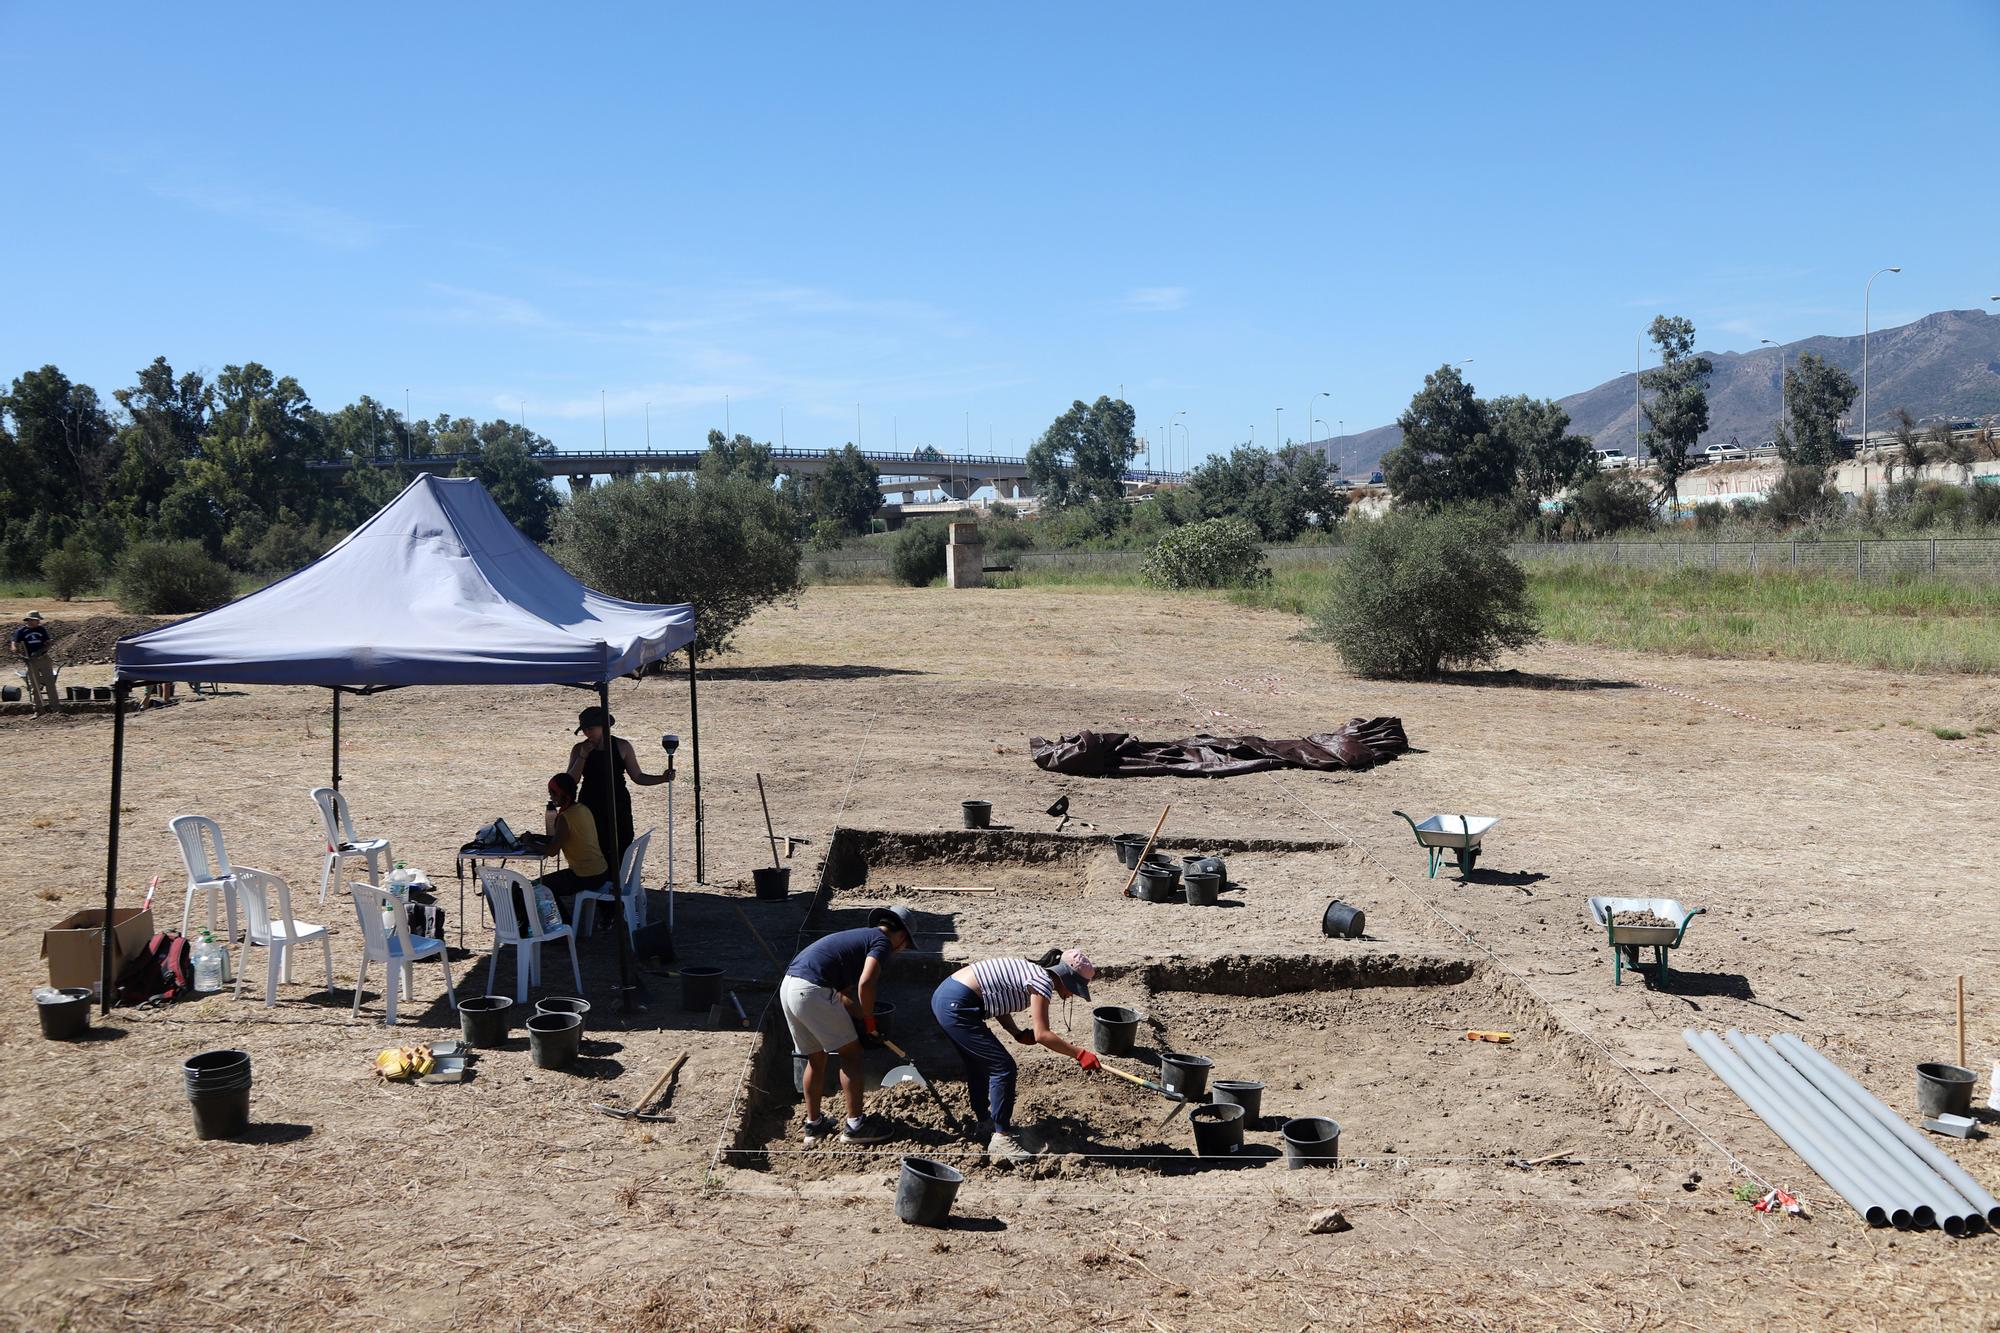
<point x="694" y="743"/>
<point x="336" y="738"/>
<point x="120" y="693"/>
<point x="617" y="858"/>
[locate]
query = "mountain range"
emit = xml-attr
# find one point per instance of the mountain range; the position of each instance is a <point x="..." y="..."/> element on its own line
<point x="1946" y="364"/>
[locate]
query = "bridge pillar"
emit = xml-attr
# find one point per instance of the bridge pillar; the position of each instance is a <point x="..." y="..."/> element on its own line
<point x="579" y="482"/>
<point x="964" y="558"/>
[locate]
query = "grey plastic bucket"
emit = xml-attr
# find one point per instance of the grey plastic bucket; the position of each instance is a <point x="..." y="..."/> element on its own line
<point x="1185" y="1076"/>
<point x="1944" y="1089"/>
<point x="978" y="814"/>
<point x="1312" y="1140"/>
<point x="554" y="1040"/>
<point x="1239" y="1092"/>
<point x="1114" y="1029"/>
<point x="1202" y="890"/>
<point x="1218" y="1129"/>
<point x="925" y="1191"/>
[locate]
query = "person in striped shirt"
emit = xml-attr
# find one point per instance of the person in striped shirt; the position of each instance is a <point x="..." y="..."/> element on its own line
<point x="1002" y="988"/>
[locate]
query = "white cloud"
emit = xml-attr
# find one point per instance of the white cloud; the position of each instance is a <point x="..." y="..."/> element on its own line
<point x="334" y="228"/>
<point x="1156" y="298"/>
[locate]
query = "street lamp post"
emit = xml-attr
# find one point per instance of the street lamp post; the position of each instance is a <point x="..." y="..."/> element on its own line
<point x="1638" y="395"/>
<point x="1866" y="293"/>
<point x="1278" y="429"/>
<point x="1311" y="403"/>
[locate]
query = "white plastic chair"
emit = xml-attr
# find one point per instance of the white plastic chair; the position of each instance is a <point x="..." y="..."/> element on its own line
<point x="526" y="937"/>
<point x="342" y="842"/>
<point x="391" y="944"/>
<point x="631" y="876"/>
<point x="207" y="874"/>
<point x="279" y="934"/>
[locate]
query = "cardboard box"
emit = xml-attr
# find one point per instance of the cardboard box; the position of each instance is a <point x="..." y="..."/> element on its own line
<point x="74" y="945"/>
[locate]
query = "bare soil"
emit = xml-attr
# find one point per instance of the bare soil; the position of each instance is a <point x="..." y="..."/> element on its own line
<point x="1843" y="863"/>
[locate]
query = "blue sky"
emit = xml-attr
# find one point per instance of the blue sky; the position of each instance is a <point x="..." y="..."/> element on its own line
<point x="962" y="218"/>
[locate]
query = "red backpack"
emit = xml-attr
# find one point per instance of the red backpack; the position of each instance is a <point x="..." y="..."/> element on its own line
<point x="160" y="972"/>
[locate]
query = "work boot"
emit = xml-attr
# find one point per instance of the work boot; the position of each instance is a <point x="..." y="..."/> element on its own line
<point x="820" y="1129"/>
<point x="868" y="1129"/>
<point x="1004" y="1149"/>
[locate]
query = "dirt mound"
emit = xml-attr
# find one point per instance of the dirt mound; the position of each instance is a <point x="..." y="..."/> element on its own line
<point x="92" y="640"/>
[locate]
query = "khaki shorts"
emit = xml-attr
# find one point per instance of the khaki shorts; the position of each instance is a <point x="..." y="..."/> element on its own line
<point x="817" y="1018"/>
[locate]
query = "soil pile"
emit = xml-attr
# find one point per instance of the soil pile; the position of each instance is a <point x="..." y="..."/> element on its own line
<point x="92" y="640"/>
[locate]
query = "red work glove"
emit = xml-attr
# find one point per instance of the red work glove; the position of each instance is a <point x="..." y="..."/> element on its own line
<point x="868" y="1025"/>
<point x="1088" y="1059"/>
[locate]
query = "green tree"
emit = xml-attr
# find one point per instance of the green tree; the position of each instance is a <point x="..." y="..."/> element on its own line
<point x="252" y="460"/>
<point x="1817" y="394"/>
<point x="1419" y="591"/>
<point x="1284" y="494"/>
<point x="1677" y="413"/>
<point x="60" y="451"/>
<point x="848" y="491"/>
<point x="171" y="579"/>
<point x="917" y="554"/>
<point x="166" y="417"/>
<point x="1610" y="502"/>
<point x="726" y="544"/>
<point x="1082" y="456"/>
<point x="1450" y="453"/>
<point x="738" y="456"/>
<point x="1801" y="495"/>
<point x="504" y="458"/>
<point x="1548" y="457"/>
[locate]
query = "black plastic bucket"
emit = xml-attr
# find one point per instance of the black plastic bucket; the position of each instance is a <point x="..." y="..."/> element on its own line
<point x="1202" y="890"/>
<point x="65" y="1013"/>
<point x="774" y="883"/>
<point x="564" y="1004"/>
<point x="554" y="1040"/>
<point x="1157" y="882"/>
<point x="101" y="693"/>
<point x="1239" y="1092"/>
<point x="1944" y="1089"/>
<point x="701" y="988"/>
<point x="1312" y="1140"/>
<point x="1114" y="1029"/>
<point x="978" y="814"/>
<point x="218" y="1091"/>
<point x="484" y="1019"/>
<point x="1130" y="846"/>
<point x="1185" y="1076"/>
<point x="10" y="694"/>
<point x="925" y="1192"/>
<point x="885" y="1018"/>
<point x="829" y="1080"/>
<point x="1218" y="1129"/>
<point x="1343" y="921"/>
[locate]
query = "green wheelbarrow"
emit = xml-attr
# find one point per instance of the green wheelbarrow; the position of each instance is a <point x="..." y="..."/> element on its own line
<point x="1459" y="834"/>
<point x="1627" y="939"/>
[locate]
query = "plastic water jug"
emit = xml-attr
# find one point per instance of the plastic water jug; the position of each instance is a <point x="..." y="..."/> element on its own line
<point x="207" y="958"/>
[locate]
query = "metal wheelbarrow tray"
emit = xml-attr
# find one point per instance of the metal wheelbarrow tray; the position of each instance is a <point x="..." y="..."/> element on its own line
<point x="1459" y="834"/>
<point x="1626" y="941"/>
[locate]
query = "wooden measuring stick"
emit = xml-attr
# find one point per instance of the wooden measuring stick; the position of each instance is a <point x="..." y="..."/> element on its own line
<point x="1133" y="878"/>
<point x="1961" y="1023"/>
<point x="767" y="821"/>
<point x="950" y="888"/>
<point x="740" y="916"/>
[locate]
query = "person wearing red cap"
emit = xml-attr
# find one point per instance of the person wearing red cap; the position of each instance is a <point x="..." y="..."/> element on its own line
<point x="1001" y="988"/>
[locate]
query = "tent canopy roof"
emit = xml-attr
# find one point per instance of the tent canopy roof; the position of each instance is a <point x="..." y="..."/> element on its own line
<point x="436" y="589"/>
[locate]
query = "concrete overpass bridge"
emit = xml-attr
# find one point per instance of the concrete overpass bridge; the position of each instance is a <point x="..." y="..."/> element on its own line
<point x="905" y="474"/>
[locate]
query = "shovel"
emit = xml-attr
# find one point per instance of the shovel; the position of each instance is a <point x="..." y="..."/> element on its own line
<point x="638" y="1111"/>
<point x="907" y="1072"/>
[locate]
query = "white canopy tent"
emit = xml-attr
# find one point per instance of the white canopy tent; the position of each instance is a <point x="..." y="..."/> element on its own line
<point x="438" y="588"/>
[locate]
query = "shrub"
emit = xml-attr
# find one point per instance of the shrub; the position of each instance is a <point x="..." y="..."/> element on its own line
<point x="285" y="547"/>
<point x="1611" y="502"/>
<point x="1801" y="495"/>
<point x="726" y="545"/>
<point x="827" y="534"/>
<point x="917" y="555"/>
<point x="172" y="578"/>
<point x="1006" y="538"/>
<point x="72" y="570"/>
<point x="1214" y="553"/>
<point x="1419" y="592"/>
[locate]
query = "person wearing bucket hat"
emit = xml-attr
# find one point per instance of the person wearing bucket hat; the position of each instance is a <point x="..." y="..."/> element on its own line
<point x="1001" y="988"/>
<point x="603" y="791"/>
<point x="828" y="989"/>
<point x="31" y="643"/>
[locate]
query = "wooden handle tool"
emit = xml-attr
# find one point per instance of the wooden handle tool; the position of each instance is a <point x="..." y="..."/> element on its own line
<point x="1146" y="851"/>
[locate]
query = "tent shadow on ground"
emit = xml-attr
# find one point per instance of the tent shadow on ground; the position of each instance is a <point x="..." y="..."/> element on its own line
<point x="805" y="671"/>
<point x="1530" y="680"/>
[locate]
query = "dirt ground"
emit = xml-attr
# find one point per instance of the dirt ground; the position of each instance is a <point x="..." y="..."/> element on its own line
<point x="1845" y="865"/>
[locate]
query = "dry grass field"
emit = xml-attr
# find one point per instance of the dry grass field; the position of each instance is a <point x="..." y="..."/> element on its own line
<point x="1845" y="861"/>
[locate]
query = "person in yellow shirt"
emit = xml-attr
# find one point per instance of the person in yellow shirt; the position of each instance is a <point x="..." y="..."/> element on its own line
<point x="572" y="831"/>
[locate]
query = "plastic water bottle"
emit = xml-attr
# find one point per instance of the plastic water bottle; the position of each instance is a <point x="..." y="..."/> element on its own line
<point x="207" y="957"/>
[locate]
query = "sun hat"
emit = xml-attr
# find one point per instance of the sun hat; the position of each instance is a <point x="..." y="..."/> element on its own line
<point x="33" y="615"/>
<point x="594" y="716"/>
<point x="895" y="918"/>
<point x="1075" y="971"/>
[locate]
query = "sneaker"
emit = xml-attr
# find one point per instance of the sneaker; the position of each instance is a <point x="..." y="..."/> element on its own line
<point x="871" y="1129"/>
<point x="1006" y="1149"/>
<point x="820" y="1129"/>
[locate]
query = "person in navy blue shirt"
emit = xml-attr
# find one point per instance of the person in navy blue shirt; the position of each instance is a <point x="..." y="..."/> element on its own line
<point x="31" y="643"/>
<point x="826" y="989"/>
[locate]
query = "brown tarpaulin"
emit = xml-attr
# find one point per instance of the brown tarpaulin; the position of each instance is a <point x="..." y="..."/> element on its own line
<point x="1361" y="743"/>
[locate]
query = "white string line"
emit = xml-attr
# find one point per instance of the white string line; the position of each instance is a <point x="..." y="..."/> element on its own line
<point x="1375" y="1163"/>
<point x="750" y="1056"/>
<point x="1055" y="1194"/>
<point x="1526" y="985"/>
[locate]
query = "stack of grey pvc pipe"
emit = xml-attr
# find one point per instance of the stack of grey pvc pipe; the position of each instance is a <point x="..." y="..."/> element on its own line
<point x="1864" y="1152"/>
